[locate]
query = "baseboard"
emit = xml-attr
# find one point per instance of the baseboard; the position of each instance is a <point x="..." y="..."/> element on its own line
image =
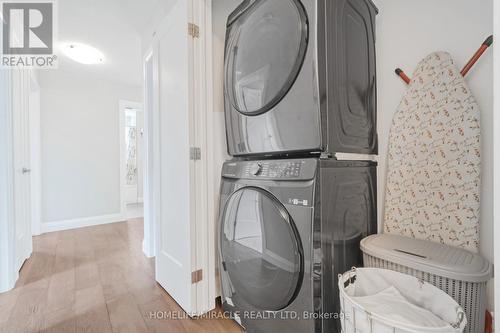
<point x="139" y="215"/>
<point x="81" y="222"/>
<point x="148" y="252"/>
<point x="8" y="282"/>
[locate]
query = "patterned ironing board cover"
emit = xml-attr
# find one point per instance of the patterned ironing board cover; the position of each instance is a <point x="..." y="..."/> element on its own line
<point x="433" y="172"/>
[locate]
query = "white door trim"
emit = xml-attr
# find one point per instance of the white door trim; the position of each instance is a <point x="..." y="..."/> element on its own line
<point x="151" y="154"/>
<point x="36" y="155"/>
<point x="212" y="191"/>
<point x="122" y="106"/>
<point x="8" y="273"/>
<point x="204" y="126"/>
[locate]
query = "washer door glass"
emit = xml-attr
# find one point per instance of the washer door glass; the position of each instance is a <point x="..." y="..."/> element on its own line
<point x="261" y="251"/>
<point x="264" y="52"/>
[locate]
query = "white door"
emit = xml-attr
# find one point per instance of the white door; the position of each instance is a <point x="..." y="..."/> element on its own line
<point x="175" y="233"/>
<point x="21" y="126"/>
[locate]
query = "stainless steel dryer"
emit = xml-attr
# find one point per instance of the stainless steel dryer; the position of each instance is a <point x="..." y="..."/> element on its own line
<point x="300" y="77"/>
<point x="287" y="228"/>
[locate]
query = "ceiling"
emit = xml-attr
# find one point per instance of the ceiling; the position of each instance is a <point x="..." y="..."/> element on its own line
<point x="112" y="26"/>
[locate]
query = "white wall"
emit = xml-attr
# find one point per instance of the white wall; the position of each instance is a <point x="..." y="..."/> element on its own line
<point x="79" y="110"/>
<point x="148" y="32"/>
<point x="80" y="144"/>
<point x="407" y="31"/>
<point x="496" y="52"/>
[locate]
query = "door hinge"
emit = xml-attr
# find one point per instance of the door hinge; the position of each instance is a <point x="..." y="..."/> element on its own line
<point x="193" y="30"/>
<point x="195" y="153"/>
<point x="196" y="276"/>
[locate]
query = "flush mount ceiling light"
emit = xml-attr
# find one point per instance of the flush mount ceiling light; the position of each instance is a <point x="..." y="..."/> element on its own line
<point x="83" y="53"/>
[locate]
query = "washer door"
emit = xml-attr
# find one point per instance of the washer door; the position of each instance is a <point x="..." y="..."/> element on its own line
<point x="261" y="250"/>
<point x="265" y="49"/>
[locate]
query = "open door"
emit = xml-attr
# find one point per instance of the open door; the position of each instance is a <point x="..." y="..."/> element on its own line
<point x="15" y="195"/>
<point x="178" y="191"/>
<point x="22" y="167"/>
<point x="174" y="236"/>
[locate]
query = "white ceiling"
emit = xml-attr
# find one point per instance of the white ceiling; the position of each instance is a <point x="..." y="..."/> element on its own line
<point x="112" y="26"/>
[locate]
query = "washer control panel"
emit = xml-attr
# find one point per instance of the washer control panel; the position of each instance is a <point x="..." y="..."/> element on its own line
<point x="292" y="169"/>
<point x="273" y="169"/>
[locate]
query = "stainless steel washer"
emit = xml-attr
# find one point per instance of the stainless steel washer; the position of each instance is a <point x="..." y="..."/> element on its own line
<point x="287" y="228"/>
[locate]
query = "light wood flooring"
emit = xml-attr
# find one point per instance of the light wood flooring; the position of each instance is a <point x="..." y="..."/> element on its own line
<point x="95" y="279"/>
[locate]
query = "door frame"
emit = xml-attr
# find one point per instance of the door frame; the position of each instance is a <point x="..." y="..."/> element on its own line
<point x="7" y="222"/>
<point x="122" y="106"/>
<point x="35" y="155"/>
<point x="151" y="153"/>
<point x="212" y="164"/>
<point x="207" y="213"/>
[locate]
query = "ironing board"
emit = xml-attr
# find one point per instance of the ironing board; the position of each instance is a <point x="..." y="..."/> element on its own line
<point x="433" y="171"/>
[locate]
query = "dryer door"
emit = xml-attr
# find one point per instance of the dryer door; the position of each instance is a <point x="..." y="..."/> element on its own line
<point x="261" y="251"/>
<point x="265" y="49"/>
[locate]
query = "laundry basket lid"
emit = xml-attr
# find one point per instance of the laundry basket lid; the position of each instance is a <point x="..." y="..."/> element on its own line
<point x="430" y="257"/>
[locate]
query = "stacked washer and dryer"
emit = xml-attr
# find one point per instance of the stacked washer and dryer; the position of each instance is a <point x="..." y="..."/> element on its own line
<point x="300" y="89"/>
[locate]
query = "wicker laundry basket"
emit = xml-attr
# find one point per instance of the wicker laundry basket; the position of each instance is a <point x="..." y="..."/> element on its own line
<point x="461" y="274"/>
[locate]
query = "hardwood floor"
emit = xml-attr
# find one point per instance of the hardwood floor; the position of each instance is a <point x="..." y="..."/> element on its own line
<point x="95" y="279"/>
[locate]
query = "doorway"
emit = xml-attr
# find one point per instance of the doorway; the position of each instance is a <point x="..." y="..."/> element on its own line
<point x="131" y="159"/>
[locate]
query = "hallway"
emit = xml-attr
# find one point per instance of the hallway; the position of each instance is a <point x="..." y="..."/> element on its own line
<point x="95" y="279"/>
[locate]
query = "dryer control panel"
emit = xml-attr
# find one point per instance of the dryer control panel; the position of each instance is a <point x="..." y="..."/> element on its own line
<point x="294" y="169"/>
<point x="274" y="169"/>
